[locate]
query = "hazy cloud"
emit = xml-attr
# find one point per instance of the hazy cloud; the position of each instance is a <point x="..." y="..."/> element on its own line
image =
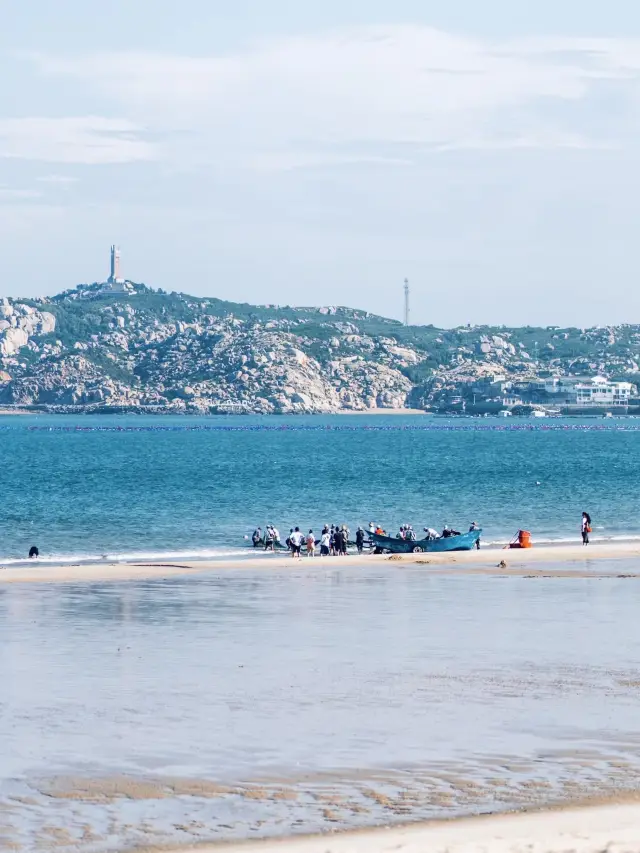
<point x="303" y="99"/>
<point x="331" y="163"/>
<point x="88" y="140"/>
<point x="58" y="180"/>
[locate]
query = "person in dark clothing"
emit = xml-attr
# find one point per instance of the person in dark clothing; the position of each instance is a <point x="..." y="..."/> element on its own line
<point x="586" y="527"/>
<point x="344" y="541"/>
<point x="360" y="540"/>
<point x="256" y="538"/>
<point x="33" y="552"/>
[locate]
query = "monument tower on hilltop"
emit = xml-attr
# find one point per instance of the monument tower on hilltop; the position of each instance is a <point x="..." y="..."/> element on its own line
<point x="115" y="266"/>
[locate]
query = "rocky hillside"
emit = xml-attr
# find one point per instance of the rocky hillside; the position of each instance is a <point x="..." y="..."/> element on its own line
<point x="131" y="347"/>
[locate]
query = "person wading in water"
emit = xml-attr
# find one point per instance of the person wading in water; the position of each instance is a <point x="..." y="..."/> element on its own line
<point x="586" y="527"/>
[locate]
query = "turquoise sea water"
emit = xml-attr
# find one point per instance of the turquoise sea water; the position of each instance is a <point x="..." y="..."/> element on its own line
<point x="81" y="487"/>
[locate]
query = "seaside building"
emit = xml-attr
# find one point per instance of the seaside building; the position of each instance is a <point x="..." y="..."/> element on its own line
<point x="600" y="392"/>
<point x="510" y="401"/>
<point x="573" y="393"/>
<point x="570" y="394"/>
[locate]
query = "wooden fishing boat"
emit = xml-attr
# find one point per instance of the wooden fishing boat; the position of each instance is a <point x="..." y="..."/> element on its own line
<point x="464" y="542"/>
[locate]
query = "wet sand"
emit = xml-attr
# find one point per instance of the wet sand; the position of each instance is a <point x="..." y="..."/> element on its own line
<point x="592" y="829"/>
<point x="230" y="705"/>
<point x="573" y="561"/>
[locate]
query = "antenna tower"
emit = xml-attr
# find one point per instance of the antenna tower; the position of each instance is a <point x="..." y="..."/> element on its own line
<point x="406" y="302"/>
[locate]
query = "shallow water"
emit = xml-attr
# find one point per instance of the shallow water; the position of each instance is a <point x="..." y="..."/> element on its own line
<point x="219" y="706"/>
<point x="177" y="487"/>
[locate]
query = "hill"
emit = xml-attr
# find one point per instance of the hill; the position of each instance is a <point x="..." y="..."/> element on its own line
<point x="97" y="347"/>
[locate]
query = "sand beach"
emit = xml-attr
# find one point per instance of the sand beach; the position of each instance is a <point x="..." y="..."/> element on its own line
<point x="598" y="559"/>
<point x="433" y="702"/>
<point x="611" y="827"/>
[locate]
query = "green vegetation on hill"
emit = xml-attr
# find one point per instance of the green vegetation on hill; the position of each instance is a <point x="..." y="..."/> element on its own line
<point x="123" y="348"/>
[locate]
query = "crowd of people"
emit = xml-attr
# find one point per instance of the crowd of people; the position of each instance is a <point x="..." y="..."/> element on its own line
<point x="334" y="539"/>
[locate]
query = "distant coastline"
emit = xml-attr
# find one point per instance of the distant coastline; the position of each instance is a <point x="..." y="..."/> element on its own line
<point x="118" y="346"/>
<point x="141" y="411"/>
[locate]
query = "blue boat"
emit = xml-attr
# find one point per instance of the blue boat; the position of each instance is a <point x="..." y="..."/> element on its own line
<point x="464" y="542"/>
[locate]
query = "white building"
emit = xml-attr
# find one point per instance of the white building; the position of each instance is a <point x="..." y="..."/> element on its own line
<point x="510" y="401"/>
<point x="601" y="392"/>
<point x="588" y="392"/>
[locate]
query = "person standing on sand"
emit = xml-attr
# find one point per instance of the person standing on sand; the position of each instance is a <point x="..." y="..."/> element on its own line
<point x="343" y="541"/>
<point x="359" y="540"/>
<point x="296" y="538"/>
<point x="586" y="527"/>
<point x="268" y="538"/>
<point x="325" y="540"/>
<point x="472" y="529"/>
<point x="311" y="544"/>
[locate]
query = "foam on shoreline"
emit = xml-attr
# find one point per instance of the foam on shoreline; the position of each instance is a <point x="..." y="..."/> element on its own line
<point x="571" y="561"/>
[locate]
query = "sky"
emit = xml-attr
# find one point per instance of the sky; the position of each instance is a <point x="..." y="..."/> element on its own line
<point x="277" y="151"/>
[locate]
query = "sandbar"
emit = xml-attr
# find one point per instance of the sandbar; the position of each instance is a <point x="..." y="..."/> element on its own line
<point x="569" y="561"/>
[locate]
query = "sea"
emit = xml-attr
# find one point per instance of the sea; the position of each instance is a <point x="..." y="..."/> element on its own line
<point x="232" y="703"/>
<point x="82" y="488"/>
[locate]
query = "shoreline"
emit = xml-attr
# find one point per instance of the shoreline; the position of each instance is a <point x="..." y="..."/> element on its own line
<point x="575" y="561"/>
<point x="590" y="827"/>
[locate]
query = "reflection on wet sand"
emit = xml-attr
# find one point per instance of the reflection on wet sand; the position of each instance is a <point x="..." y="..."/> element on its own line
<point x="187" y="709"/>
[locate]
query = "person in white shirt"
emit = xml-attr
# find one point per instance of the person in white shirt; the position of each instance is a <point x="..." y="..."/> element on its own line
<point x="325" y="541"/>
<point x="296" y="543"/>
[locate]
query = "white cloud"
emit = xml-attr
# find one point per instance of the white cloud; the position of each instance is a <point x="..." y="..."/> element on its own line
<point x="361" y="95"/>
<point x="13" y="194"/>
<point x="86" y="140"/>
<point x="58" y="180"/>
